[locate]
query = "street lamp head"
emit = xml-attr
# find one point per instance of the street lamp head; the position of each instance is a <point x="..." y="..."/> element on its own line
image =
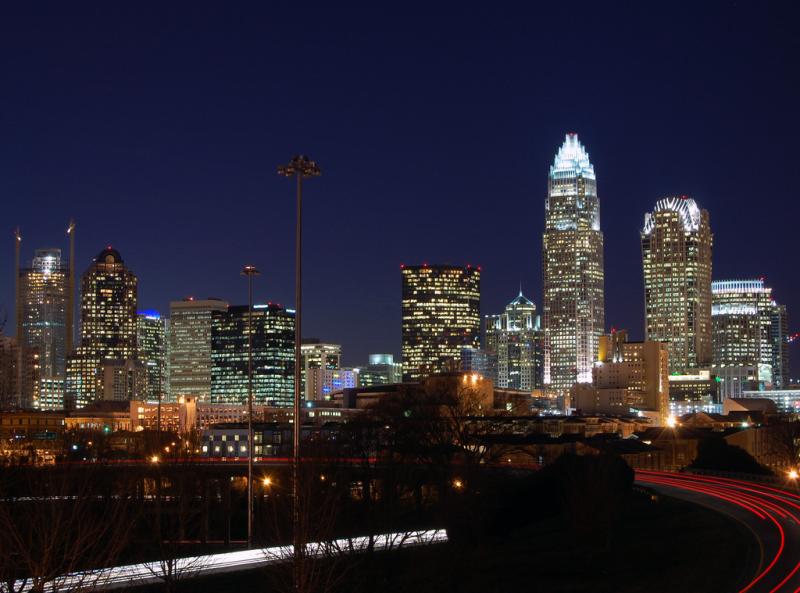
<point x="300" y="165"/>
<point x="250" y="271"/>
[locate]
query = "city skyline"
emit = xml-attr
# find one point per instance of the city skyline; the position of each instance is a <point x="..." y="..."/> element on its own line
<point x="151" y="167"/>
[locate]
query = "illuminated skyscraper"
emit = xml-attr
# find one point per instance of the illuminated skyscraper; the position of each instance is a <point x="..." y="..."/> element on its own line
<point x="189" y="348"/>
<point x="512" y="338"/>
<point x="151" y="337"/>
<point x="747" y="345"/>
<point x="317" y="355"/>
<point x="44" y="296"/>
<point x="273" y="355"/>
<point x="779" y="338"/>
<point x="441" y="315"/>
<point x="676" y="256"/>
<point x="572" y="259"/>
<point x="108" y="326"/>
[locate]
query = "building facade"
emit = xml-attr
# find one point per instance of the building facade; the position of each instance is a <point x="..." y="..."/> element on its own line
<point x="189" y="347"/>
<point x="316" y="355"/>
<point x="151" y="339"/>
<point x="42" y="308"/>
<point x="627" y="378"/>
<point x="380" y="370"/>
<point x="272" y="349"/>
<point x="742" y="323"/>
<point x="441" y="315"/>
<point x="572" y="260"/>
<point x="780" y="346"/>
<point x="326" y="381"/>
<point x="124" y="380"/>
<point x="514" y="339"/>
<point x="676" y="258"/>
<point x="108" y="326"/>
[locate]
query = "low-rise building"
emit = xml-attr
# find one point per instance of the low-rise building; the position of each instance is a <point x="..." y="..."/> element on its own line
<point x="627" y="378"/>
<point x="104" y="416"/>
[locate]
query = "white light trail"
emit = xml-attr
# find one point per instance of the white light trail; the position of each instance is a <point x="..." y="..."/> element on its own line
<point x="147" y="573"/>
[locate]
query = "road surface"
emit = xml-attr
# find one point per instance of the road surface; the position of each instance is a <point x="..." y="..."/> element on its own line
<point x="772" y="514"/>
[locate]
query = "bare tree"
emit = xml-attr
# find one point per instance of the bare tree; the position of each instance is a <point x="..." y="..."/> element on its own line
<point x="172" y="526"/>
<point x="783" y="440"/>
<point x="56" y="522"/>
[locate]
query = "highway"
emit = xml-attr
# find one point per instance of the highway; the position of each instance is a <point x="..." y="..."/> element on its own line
<point x="153" y="573"/>
<point x="772" y="514"/>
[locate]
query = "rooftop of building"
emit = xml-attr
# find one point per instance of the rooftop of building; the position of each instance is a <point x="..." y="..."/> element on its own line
<point x="440" y="267"/>
<point x="109" y="255"/>
<point x="103" y="407"/>
<point x="572" y="159"/>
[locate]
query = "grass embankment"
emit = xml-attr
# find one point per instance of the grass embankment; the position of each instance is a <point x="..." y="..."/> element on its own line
<point x="664" y="546"/>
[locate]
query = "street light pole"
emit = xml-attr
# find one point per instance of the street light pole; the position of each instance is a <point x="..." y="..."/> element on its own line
<point x="299" y="167"/>
<point x="250" y="271"/>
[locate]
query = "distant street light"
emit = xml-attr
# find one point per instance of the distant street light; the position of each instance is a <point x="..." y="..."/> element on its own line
<point x="792" y="474"/>
<point x="250" y="272"/>
<point x="300" y="167"/>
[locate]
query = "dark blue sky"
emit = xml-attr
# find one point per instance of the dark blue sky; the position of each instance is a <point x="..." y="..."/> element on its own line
<point x="159" y="127"/>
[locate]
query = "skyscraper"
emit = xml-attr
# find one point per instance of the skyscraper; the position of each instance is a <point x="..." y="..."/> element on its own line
<point x="151" y="338"/>
<point x="572" y="260"/>
<point x="273" y="355"/>
<point x="676" y="257"/>
<point x="513" y="339"/>
<point x="441" y="315"/>
<point x="44" y="301"/>
<point x="741" y="321"/>
<point x="108" y="326"/>
<point x="317" y="355"/>
<point x="779" y="338"/>
<point x="190" y="347"/>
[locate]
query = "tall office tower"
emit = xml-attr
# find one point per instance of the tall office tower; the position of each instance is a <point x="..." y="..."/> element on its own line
<point x="316" y="355"/>
<point x="273" y="355"/>
<point x="151" y="339"/>
<point x="380" y="370"/>
<point x="574" y="309"/>
<point x="741" y="322"/>
<point x="108" y="326"/>
<point x="190" y="347"/>
<point x="779" y="338"/>
<point x="676" y="257"/>
<point x="44" y="296"/>
<point x="441" y="315"/>
<point x="511" y="337"/>
<point x="9" y="388"/>
<point x="19" y="373"/>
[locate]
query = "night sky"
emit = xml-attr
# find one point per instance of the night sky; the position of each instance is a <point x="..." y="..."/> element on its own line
<point x="159" y="128"/>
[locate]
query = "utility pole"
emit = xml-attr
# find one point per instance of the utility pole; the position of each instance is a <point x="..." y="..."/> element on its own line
<point x="299" y="167"/>
<point x="250" y="272"/>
